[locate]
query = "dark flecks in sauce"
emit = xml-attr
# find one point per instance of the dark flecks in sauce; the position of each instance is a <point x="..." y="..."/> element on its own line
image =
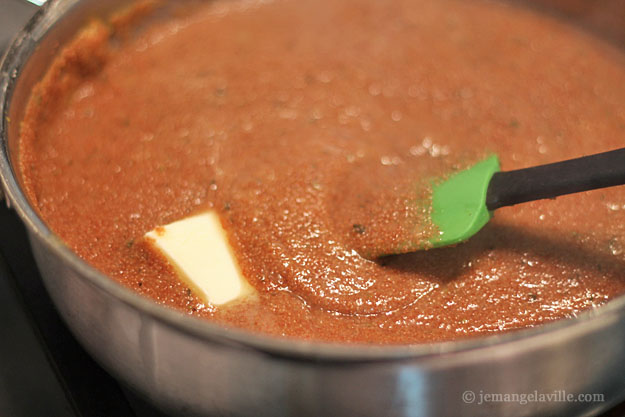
<point x="285" y="115"/>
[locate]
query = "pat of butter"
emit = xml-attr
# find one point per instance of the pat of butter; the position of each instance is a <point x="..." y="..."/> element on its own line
<point x="198" y="247"/>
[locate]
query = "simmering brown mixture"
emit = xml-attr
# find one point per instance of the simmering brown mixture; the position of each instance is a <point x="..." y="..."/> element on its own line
<point x="306" y="124"/>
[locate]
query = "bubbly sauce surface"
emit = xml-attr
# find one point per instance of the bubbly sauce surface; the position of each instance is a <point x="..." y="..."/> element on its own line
<point x="306" y="125"/>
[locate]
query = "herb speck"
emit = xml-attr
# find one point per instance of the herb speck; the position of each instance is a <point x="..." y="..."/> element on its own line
<point x="359" y="228"/>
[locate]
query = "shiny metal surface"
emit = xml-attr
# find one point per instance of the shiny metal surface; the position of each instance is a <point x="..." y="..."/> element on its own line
<point x="193" y="367"/>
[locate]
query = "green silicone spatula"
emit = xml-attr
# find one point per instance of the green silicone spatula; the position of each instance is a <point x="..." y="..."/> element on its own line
<point x="464" y="203"/>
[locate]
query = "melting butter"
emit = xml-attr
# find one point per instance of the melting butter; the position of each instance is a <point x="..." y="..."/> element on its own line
<point x="198" y="248"/>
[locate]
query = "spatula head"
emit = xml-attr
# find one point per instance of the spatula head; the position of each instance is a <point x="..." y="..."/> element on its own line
<point x="459" y="203"/>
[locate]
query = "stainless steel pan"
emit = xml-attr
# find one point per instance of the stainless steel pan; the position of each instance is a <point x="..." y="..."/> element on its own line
<point x="193" y="367"/>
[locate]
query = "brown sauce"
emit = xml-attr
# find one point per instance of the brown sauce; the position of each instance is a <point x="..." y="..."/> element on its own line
<point x="306" y="125"/>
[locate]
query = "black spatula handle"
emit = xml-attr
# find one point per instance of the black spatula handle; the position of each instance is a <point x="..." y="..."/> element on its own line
<point x="547" y="181"/>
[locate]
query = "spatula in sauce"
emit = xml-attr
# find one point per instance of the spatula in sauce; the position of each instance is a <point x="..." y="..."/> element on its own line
<point x="464" y="203"/>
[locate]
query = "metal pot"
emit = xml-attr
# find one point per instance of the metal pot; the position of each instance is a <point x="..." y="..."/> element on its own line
<point x="193" y="367"/>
